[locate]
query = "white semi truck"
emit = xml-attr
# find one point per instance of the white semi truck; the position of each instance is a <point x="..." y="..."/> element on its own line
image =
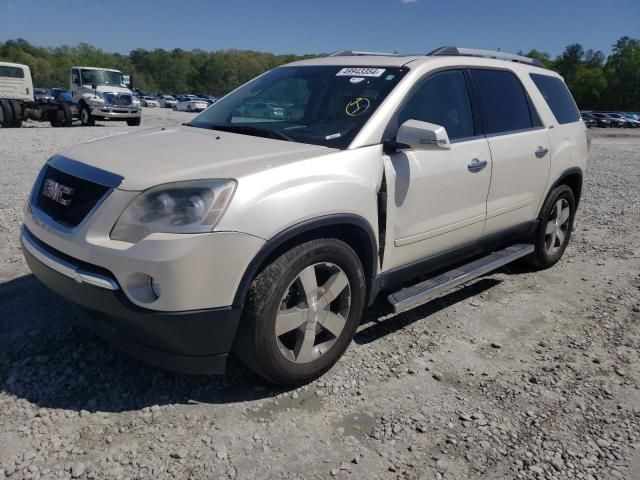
<point x="97" y="94"/>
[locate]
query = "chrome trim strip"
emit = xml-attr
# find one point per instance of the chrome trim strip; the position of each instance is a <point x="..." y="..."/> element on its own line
<point x="84" y="171"/>
<point x="62" y="266"/>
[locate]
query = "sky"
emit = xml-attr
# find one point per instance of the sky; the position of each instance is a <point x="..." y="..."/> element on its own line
<point x="305" y="26"/>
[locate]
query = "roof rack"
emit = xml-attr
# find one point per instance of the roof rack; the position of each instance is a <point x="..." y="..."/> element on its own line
<point x="474" y="52"/>
<point x="351" y="53"/>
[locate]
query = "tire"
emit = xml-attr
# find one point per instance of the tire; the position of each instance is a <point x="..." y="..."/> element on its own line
<point x="67" y="115"/>
<point x="134" y="122"/>
<point x="57" y="118"/>
<point x="6" y="116"/>
<point x="552" y="237"/>
<point x="299" y="354"/>
<point x="86" y="118"/>
<point x="17" y="113"/>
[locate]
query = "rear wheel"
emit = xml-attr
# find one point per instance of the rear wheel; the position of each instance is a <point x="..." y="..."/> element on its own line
<point x="57" y="118"/>
<point x="302" y="312"/>
<point x="554" y="228"/>
<point x="17" y="113"/>
<point x="6" y="114"/>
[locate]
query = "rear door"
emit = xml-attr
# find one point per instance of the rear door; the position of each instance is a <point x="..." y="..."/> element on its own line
<point x="519" y="149"/>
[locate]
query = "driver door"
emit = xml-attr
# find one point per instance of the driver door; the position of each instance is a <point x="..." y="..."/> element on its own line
<point x="437" y="198"/>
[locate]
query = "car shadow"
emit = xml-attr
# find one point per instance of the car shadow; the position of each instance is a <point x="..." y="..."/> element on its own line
<point x="51" y="363"/>
<point x="48" y="361"/>
<point x="380" y="321"/>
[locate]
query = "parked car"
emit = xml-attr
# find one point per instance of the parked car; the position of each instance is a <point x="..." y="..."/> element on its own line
<point x="604" y="120"/>
<point x="589" y="121"/>
<point x="617" y="120"/>
<point x="62" y="95"/>
<point x="268" y="239"/>
<point x="167" y="101"/>
<point x="268" y="110"/>
<point x="149" y="102"/>
<point x="190" y="104"/>
<point x="42" y="95"/>
<point x="629" y="122"/>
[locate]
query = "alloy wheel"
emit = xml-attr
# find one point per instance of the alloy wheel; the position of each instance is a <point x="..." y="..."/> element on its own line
<point x="557" y="226"/>
<point x="313" y="312"/>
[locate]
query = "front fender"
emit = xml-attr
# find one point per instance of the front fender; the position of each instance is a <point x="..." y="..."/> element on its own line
<point x="274" y="199"/>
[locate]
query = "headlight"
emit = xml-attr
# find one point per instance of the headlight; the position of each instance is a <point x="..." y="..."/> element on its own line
<point x="96" y="101"/>
<point x="194" y="206"/>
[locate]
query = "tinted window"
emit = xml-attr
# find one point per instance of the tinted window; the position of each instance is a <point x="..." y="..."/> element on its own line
<point x="11" y="72"/>
<point x="443" y="99"/>
<point x="506" y="107"/>
<point x="558" y="97"/>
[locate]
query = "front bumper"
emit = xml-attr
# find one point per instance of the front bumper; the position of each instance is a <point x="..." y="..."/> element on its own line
<point x="195" y="341"/>
<point x="116" y="113"/>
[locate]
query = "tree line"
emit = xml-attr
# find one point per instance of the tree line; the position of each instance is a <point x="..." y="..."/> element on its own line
<point x="596" y="80"/>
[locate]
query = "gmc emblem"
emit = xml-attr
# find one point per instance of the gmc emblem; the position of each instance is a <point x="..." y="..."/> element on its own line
<point x="57" y="192"/>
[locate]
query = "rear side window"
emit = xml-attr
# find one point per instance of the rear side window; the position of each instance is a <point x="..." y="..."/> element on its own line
<point x="11" y="72"/>
<point x="558" y="97"/>
<point x="505" y="103"/>
<point x="443" y="99"/>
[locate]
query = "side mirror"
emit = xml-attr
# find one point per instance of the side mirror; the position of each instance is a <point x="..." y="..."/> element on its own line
<point x="422" y="136"/>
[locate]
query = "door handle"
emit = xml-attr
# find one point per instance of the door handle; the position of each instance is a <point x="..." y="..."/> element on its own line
<point x="541" y="152"/>
<point x="476" y="165"/>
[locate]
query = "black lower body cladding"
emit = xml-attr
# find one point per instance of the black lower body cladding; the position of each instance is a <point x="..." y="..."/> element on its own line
<point x="195" y="342"/>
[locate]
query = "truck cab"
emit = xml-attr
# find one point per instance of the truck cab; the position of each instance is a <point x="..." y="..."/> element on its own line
<point x="103" y="94"/>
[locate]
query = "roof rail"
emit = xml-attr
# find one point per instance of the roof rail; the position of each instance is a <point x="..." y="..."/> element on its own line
<point x="474" y="52"/>
<point x="351" y="53"/>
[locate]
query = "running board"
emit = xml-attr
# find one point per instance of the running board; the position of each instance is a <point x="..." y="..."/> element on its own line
<point x="422" y="292"/>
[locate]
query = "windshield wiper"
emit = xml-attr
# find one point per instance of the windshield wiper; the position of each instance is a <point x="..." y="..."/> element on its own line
<point x="258" y="132"/>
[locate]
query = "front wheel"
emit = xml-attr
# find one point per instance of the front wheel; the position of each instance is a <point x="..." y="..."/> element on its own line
<point x="134" y="122"/>
<point x="302" y="312"/>
<point x="554" y="228"/>
<point x="86" y="118"/>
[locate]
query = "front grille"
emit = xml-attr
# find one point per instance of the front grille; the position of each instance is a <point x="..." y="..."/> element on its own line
<point x="118" y="99"/>
<point x="84" y="198"/>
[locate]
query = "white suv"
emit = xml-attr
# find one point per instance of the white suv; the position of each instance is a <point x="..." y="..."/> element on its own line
<point x="266" y="235"/>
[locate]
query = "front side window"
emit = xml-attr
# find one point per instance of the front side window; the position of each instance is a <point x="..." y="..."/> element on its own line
<point x="504" y="101"/>
<point x="443" y="99"/>
<point x="321" y="105"/>
<point x="558" y="97"/>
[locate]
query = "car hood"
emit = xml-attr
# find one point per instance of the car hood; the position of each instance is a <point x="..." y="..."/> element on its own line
<point x="160" y="155"/>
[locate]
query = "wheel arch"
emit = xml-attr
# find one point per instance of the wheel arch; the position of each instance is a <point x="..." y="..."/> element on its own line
<point x="352" y="229"/>
<point x="571" y="177"/>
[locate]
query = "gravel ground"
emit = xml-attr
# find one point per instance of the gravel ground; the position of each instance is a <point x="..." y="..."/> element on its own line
<point x="519" y="375"/>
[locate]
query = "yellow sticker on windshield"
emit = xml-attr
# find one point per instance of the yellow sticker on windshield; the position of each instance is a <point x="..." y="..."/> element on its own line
<point x="357" y="107"/>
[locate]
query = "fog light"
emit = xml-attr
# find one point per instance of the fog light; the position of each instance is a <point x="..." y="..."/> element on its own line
<point x="155" y="287"/>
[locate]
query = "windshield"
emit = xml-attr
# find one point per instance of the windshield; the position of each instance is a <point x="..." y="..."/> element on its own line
<point x="102" y="77"/>
<point x="321" y="105"/>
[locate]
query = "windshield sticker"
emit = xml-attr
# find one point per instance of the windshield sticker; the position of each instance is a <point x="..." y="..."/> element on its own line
<point x="360" y="72"/>
<point x="331" y="137"/>
<point x="357" y="107"/>
<point x="356" y="79"/>
<point x="389" y="77"/>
